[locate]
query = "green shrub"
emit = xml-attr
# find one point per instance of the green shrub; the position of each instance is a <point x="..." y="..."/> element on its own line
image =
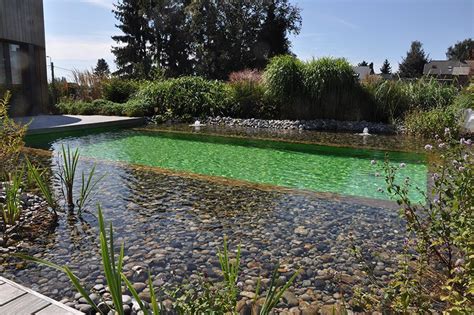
<point x="76" y="107"/>
<point x="136" y="108"/>
<point x="181" y="98"/>
<point x="424" y="123"/>
<point x="108" y="108"/>
<point x="249" y="100"/>
<point x="119" y="90"/>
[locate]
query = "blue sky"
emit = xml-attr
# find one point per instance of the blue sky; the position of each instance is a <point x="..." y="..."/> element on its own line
<point x="78" y="31"/>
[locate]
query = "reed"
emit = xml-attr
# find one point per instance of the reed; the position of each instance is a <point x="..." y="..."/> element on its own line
<point x="35" y="174"/>
<point x="87" y="187"/>
<point x="230" y="269"/>
<point x="275" y="292"/>
<point x="67" y="173"/>
<point x="11" y="210"/>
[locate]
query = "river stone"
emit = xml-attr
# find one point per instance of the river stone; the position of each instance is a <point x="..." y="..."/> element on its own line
<point x="290" y="298"/>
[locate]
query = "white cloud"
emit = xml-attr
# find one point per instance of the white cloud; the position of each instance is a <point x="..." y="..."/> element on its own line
<point x="78" y="48"/>
<point x="81" y="53"/>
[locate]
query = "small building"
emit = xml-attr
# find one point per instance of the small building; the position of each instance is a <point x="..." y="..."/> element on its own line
<point x="362" y="72"/>
<point x="448" y="70"/>
<point x="23" y="56"/>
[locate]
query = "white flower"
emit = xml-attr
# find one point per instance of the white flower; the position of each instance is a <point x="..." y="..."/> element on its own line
<point x="442" y="145"/>
<point x="373" y="162"/>
<point x="428" y="147"/>
<point x="402" y="165"/>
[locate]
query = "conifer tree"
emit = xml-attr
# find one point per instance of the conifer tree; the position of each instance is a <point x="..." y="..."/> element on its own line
<point x="102" y="68"/>
<point x="386" y="68"/>
<point x="412" y="65"/>
<point x="132" y="54"/>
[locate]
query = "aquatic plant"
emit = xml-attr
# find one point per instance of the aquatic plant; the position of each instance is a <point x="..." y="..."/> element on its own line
<point x="11" y="209"/>
<point x="112" y="265"/>
<point x="67" y="172"/>
<point x="87" y="187"/>
<point x="37" y="176"/>
<point x="230" y="270"/>
<point x="275" y="292"/>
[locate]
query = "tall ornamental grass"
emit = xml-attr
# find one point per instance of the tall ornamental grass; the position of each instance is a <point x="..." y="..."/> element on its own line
<point x="320" y="88"/>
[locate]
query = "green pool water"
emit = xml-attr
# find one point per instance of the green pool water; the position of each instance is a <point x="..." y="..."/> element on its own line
<point x="319" y="168"/>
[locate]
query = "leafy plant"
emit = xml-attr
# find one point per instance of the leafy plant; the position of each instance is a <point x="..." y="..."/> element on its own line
<point x="119" y="90"/>
<point x="435" y="271"/>
<point x="11" y="139"/>
<point x="424" y="123"/>
<point x="184" y="97"/>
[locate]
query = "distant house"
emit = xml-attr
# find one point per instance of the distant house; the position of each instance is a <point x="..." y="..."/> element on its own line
<point x="448" y="70"/>
<point x="362" y="72"/>
<point x="22" y="56"/>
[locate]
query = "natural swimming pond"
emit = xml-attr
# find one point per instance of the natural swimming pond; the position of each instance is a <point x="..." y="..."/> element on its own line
<point x="320" y="168"/>
<point x="173" y="224"/>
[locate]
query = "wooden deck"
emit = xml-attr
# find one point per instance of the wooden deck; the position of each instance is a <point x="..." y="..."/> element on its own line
<point x="18" y="300"/>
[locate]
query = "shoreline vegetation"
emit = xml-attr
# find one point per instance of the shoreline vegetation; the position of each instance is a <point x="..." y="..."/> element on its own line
<point x="324" y="89"/>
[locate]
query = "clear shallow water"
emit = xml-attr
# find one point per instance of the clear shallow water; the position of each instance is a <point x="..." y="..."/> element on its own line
<point x="340" y="170"/>
<point x="173" y="225"/>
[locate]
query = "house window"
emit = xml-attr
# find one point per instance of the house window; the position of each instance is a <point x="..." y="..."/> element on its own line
<point x="15" y="63"/>
<point x="3" y="66"/>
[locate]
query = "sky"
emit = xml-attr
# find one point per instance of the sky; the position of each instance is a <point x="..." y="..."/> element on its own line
<point x="78" y="32"/>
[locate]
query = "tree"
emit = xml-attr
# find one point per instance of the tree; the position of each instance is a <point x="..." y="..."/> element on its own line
<point x="363" y="64"/>
<point x="171" y="44"/>
<point x="412" y="65"/>
<point x="281" y="19"/>
<point x="463" y="50"/>
<point x="102" y="68"/>
<point x="210" y="38"/>
<point x="386" y="68"/>
<point x="371" y="67"/>
<point x="133" y="55"/>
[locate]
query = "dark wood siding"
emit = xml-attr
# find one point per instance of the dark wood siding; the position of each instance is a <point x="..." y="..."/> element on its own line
<point x="22" y="21"/>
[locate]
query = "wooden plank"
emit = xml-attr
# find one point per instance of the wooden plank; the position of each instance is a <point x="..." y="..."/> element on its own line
<point x="66" y="309"/>
<point x="54" y="310"/>
<point x="9" y="292"/>
<point x="25" y="304"/>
